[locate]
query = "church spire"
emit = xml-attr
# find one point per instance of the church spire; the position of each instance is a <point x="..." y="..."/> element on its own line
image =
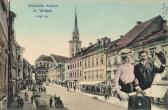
<point x="75" y="43"/>
<point x="76" y="23"/>
<point x="76" y="31"/>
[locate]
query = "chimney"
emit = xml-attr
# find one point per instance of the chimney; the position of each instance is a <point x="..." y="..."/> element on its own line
<point x="99" y="42"/>
<point x="90" y="43"/>
<point x="138" y="22"/>
<point x="164" y="24"/>
<point x="121" y="36"/>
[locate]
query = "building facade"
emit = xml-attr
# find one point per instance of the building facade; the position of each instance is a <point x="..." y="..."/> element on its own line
<point x="47" y="66"/>
<point x="27" y="73"/>
<point x="94" y="61"/>
<point x="74" y="70"/>
<point x="57" y="73"/>
<point x="15" y="62"/>
<point x="4" y="11"/>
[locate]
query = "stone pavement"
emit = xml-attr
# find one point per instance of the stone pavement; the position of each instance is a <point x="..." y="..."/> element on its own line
<point x="27" y="104"/>
<point x="111" y="100"/>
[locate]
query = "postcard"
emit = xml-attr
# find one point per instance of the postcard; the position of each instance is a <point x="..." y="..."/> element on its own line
<point x="83" y="55"/>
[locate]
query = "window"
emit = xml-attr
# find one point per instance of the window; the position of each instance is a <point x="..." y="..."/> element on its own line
<point x="85" y="64"/>
<point x="101" y="61"/>
<point x="70" y="74"/>
<point x="97" y="61"/>
<point x="97" y="76"/>
<point x="85" y="77"/>
<point x="92" y="62"/>
<point x="80" y="73"/>
<point x="89" y="63"/>
<point x="109" y="63"/>
<point x="80" y="63"/>
<point x="152" y="52"/>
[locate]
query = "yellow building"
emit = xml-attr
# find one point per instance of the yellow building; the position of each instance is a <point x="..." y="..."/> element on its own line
<point x="94" y="62"/>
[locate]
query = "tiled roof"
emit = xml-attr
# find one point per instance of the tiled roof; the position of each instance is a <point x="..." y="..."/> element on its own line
<point x="133" y="33"/>
<point x="57" y="58"/>
<point x="111" y="45"/>
<point x="45" y="58"/>
<point x="155" y="36"/>
<point x="96" y="46"/>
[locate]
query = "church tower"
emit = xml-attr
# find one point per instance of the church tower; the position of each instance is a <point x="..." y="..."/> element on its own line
<point x="75" y="43"/>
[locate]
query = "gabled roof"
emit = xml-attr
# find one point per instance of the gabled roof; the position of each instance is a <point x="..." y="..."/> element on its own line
<point x="59" y="58"/>
<point x="133" y="33"/>
<point x="45" y="58"/>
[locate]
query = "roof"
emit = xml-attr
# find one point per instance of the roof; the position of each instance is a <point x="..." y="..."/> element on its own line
<point x="111" y="45"/>
<point x="153" y="37"/>
<point x="133" y="33"/>
<point x="57" y="58"/>
<point x="96" y="46"/>
<point x="45" y="58"/>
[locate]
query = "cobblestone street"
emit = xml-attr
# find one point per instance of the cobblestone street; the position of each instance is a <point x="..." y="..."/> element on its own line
<point x="77" y="101"/>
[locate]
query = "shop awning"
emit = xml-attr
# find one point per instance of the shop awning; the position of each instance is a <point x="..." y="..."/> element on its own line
<point x="158" y="91"/>
<point x="89" y="82"/>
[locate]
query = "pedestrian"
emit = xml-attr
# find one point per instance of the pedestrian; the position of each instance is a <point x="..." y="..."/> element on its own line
<point x="26" y="96"/>
<point x="50" y="101"/>
<point x="74" y="87"/>
<point x="55" y="98"/>
<point x="146" y="69"/>
<point x="68" y="88"/>
<point x="125" y="79"/>
<point x="21" y="102"/>
<point x="32" y="97"/>
<point x="18" y="101"/>
<point x="39" y="90"/>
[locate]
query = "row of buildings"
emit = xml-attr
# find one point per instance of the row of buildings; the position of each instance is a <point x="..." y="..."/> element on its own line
<point x="97" y="63"/>
<point x="14" y="69"/>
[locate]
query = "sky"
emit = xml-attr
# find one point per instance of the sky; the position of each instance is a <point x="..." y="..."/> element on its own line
<point x="96" y="19"/>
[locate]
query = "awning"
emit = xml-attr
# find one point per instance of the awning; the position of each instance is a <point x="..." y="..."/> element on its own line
<point x="158" y="91"/>
<point x="89" y="82"/>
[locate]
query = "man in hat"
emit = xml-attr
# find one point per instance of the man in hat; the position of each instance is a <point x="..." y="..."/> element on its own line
<point x="146" y="69"/>
<point x="124" y="79"/>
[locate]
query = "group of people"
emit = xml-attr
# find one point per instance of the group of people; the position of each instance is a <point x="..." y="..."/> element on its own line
<point x="20" y="101"/>
<point x="58" y="102"/>
<point x="137" y="77"/>
<point x="42" y="89"/>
